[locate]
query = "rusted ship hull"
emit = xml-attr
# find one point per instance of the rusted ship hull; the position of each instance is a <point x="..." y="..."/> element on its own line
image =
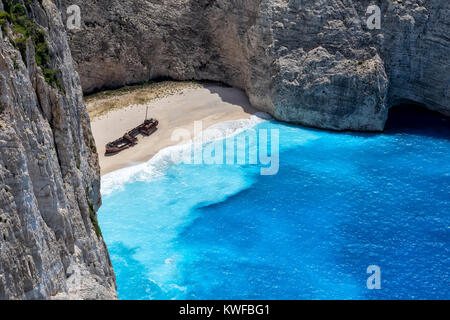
<point x="129" y="139"/>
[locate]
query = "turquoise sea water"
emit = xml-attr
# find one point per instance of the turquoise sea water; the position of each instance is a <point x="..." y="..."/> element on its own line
<point x="340" y="203"/>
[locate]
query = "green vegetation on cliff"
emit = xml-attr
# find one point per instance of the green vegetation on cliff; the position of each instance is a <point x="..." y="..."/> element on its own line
<point x="23" y="29"/>
<point x="94" y="220"/>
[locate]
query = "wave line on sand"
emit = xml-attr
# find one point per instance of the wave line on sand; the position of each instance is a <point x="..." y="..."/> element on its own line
<point x="157" y="165"/>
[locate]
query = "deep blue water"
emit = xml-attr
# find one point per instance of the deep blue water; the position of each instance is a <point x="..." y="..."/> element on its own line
<point x="340" y="203"/>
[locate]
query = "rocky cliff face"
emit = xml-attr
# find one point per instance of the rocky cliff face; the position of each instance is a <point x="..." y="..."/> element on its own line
<point x="305" y="61"/>
<point x="309" y="62"/>
<point x="50" y="243"/>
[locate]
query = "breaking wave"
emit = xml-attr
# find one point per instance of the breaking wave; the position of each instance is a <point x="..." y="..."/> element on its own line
<point x="157" y="165"/>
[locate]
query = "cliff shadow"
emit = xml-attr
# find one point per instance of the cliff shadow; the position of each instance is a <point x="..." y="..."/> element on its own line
<point x="231" y="95"/>
<point x="415" y="118"/>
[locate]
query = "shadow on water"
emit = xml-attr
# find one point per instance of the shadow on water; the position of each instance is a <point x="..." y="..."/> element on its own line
<point x="415" y="119"/>
<point x="405" y="118"/>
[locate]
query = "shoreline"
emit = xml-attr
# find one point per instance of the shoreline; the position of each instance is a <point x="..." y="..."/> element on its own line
<point x="210" y="103"/>
<point x="157" y="165"/>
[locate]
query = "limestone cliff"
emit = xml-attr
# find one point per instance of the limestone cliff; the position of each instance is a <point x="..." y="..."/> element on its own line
<point x="304" y="61"/>
<point x="50" y="242"/>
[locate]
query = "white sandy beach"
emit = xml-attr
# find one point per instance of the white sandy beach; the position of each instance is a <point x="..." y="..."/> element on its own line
<point x="211" y="104"/>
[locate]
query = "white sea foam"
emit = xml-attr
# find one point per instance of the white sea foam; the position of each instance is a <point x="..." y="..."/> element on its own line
<point x="156" y="166"/>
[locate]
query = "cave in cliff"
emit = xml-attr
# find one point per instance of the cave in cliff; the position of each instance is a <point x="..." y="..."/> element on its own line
<point x="414" y="116"/>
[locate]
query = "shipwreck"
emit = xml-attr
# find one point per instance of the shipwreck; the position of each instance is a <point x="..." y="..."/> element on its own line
<point x="130" y="139"/>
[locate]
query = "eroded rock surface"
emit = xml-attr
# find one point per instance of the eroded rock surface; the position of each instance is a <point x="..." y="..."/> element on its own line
<point x="49" y="173"/>
<point x="309" y="62"/>
<point x="304" y="61"/>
